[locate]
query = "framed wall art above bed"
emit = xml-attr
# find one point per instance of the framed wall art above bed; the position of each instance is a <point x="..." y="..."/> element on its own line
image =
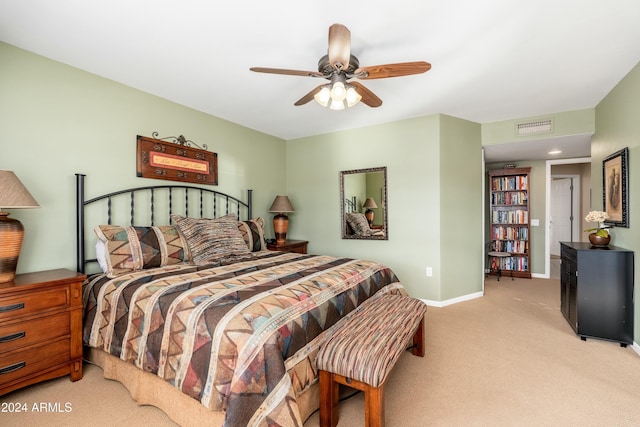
<point x="175" y="160"/>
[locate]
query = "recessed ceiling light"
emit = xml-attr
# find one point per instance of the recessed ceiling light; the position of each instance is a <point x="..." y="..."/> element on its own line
<point x="555" y="152"/>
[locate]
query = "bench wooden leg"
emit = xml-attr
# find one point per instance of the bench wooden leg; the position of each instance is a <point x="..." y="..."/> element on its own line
<point x="329" y="414"/>
<point x="373" y="400"/>
<point x="418" y="340"/>
<point x="374" y="406"/>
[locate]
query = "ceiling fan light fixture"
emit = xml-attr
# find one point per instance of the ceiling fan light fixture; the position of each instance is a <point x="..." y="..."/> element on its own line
<point x="338" y="91"/>
<point x="336" y="104"/>
<point x="324" y="96"/>
<point x="340" y="65"/>
<point x="353" y="97"/>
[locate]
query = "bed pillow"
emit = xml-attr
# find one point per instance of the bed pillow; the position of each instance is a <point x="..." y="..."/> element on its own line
<point x="210" y="239"/>
<point x="124" y="249"/>
<point x="359" y="224"/>
<point x="253" y="234"/>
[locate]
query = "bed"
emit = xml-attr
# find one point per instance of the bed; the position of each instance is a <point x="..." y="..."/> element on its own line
<point x="190" y="321"/>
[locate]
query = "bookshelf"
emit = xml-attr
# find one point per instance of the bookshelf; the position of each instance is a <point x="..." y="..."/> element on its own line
<point x="509" y="217"/>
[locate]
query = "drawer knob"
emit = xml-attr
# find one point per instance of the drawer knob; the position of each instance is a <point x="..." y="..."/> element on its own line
<point x="13" y="337"/>
<point x="12" y="368"/>
<point x="12" y="307"/>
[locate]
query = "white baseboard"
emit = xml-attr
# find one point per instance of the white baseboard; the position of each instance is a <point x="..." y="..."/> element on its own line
<point x="636" y="347"/>
<point x="452" y="300"/>
<point x="539" y="276"/>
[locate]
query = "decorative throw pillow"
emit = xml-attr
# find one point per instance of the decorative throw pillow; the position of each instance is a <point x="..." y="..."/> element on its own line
<point x="359" y="224"/>
<point x="253" y="234"/>
<point x="124" y="249"/>
<point x="210" y="239"/>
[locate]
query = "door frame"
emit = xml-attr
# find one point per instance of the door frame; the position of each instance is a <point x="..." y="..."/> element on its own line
<point x="575" y="206"/>
<point x="547" y="237"/>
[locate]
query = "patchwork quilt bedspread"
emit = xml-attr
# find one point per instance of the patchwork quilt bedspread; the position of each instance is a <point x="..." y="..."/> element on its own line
<point x="240" y="335"/>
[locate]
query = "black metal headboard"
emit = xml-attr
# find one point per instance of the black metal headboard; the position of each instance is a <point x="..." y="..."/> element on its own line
<point x="209" y="203"/>
<point x="350" y="205"/>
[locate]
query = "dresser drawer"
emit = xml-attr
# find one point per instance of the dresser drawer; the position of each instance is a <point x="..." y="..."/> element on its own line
<point x="20" y="305"/>
<point x="20" y="364"/>
<point x="22" y="334"/>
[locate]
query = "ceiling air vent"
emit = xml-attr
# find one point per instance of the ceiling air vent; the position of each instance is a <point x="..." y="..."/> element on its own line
<point x="534" y="128"/>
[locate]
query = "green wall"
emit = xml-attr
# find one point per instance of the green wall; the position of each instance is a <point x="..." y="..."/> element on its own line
<point x="578" y="122"/>
<point x="57" y="120"/>
<point x="461" y="196"/>
<point x="617" y="127"/>
<point x="421" y="156"/>
<point x="375" y="183"/>
<point x="564" y="123"/>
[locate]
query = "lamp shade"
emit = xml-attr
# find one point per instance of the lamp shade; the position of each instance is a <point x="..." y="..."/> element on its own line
<point x="370" y="203"/>
<point x="281" y="204"/>
<point x="13" y="194"/>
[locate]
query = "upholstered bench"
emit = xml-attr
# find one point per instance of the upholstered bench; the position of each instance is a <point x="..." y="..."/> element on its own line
<point x="365" y="349"/>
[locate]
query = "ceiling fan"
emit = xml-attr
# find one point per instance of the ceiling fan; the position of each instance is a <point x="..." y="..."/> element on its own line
<point x="339" y="66"/>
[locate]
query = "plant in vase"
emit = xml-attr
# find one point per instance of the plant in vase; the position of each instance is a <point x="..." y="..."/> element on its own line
<point x="599" y="235"/>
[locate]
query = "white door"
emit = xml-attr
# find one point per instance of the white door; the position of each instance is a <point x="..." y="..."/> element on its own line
<point x="561" y="215"/>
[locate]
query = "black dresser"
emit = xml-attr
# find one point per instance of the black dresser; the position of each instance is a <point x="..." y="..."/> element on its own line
<point x="596" y="286"/>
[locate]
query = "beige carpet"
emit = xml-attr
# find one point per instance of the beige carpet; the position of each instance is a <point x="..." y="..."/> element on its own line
<point x="506" y="359"/>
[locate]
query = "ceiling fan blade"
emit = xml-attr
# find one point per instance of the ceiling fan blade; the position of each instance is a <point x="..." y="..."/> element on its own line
<point x="368" y="97"/>
<point x="339" y="46"/>
<point x="287" y="72"/>
<point x="392" y="70"/>
<point x="308" y="97"/>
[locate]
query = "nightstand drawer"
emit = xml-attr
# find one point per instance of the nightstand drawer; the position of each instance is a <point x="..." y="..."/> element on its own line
<point x="21" y="305"/>
<point x="33" y="331"/>
<point x="296" y="246"/>
<point x="35" y="359"/>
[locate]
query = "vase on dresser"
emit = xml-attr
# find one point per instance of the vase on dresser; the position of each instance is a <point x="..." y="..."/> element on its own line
<point x="599" y="241"/>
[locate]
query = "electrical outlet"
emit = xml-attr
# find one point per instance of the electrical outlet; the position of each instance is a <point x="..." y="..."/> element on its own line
<point x="429" y="272"/>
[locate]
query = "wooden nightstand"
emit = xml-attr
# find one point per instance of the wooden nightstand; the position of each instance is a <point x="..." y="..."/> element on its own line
<point x="298" y="246"/>
<point x="40" y="328"/>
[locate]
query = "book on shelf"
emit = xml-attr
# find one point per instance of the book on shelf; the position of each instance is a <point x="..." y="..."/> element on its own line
<point x="512" y="216"/>
<point x="506" y="183"/>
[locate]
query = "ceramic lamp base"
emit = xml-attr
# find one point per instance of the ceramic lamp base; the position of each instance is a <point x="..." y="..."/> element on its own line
<point x="369" y="214"/>
<point x="280" y="227"/>
<point x="11" y="235"/>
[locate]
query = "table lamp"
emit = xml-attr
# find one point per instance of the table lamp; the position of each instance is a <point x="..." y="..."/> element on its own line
<point x="12" y="195"/>
<point x="281" y="205"/>
<point x="369" y="204"/>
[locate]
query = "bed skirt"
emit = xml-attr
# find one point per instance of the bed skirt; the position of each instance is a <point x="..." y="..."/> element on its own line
<point x="148" y="389"/>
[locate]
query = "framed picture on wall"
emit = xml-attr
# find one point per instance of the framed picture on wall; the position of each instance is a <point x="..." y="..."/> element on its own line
<point x="615" y="187"/>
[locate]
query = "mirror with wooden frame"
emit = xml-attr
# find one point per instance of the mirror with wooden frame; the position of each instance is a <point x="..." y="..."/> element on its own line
<point x="363" y="204"/>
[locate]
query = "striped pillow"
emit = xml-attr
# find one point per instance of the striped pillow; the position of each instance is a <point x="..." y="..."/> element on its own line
<point x="210" y="239"/>
<point x="253" y="234"/>
<point x="359" y="224"/>
<point x="124" y="249"/>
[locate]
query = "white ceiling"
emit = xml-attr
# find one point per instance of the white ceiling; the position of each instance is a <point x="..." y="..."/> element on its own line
<point x="492" y="60"/>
